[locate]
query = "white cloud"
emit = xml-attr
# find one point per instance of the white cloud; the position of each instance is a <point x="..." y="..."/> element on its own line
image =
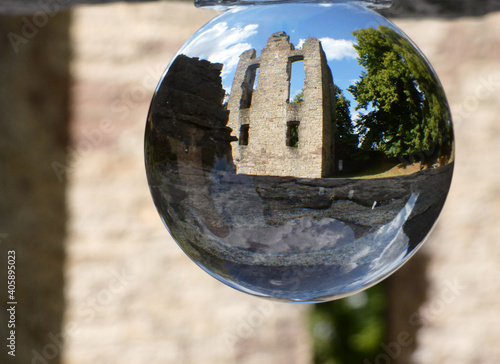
<point x="337" y="49"/>
<point x="221" y="44"/>
<point x="389" y="246"/>
<point x="302" y="235"/>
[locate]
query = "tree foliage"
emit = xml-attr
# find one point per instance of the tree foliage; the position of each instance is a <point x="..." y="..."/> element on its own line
<point x="402" y="107"/>
<point x="347" y="139"/>
<point x="350" y="330"/>
<point x="299" y="97"/>
<point x="345" y="129"/>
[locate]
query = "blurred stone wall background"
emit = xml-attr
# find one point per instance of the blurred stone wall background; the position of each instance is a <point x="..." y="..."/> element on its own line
<point x="112" y="284"/>
<point x="405" y="8"/>
<point x="165" y="309"/>
<point x="34" y="117"/>
<point x="460" y="321"/>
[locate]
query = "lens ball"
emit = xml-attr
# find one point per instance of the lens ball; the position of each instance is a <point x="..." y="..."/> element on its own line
<point x="300" y="152"/>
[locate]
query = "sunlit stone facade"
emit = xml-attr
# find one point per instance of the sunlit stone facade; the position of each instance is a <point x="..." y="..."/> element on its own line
<point x="276" y="136"/>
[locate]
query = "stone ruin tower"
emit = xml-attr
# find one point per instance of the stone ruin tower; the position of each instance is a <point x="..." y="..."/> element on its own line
<point x="277" y="137"/>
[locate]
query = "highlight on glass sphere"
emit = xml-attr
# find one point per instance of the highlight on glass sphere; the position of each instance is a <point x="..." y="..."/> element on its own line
<point x="300" y="152"/>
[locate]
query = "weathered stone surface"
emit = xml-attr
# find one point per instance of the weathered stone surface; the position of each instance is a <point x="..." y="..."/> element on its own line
<point x="34" y="118"/>
<point x="49" y="6"/>
<point x="187" y="111"/>
<point x="162" y="308"/>
<point x="454" y="319"/>
<point x="400" y="7"/>
<point x="267" y="114"/>
<point x="419" y="8"/>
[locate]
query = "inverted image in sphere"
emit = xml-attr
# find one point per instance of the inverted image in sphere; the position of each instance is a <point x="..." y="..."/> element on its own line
<point x="299" y="152"/>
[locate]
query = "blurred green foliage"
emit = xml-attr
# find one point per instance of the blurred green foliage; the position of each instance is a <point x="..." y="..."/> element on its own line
<point x="349" y="330"/>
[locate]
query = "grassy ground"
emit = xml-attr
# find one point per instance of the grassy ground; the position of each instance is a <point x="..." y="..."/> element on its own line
<point x="398" y="170"/>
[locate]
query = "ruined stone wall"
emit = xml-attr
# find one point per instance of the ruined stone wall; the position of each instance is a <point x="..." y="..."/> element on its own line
<point x="318" y="85"/>
<point x="34" y="118"/>
<point x="400" y="7"/>
<point x="187" y="137"/>
<point x="271" y="113"/>
<point x="458" y="321"/>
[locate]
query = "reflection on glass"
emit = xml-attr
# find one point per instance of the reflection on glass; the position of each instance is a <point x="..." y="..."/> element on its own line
<point x="300" y="152"/>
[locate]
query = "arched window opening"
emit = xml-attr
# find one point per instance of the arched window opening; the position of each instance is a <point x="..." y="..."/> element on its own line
<point x="249" y="84"/>
<point x="297" y="78"/>
<point x="243" y="139"/>
<point x="292" y="134"/>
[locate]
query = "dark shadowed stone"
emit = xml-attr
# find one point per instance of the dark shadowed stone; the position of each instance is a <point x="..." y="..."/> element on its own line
<point x="401" y="8"/>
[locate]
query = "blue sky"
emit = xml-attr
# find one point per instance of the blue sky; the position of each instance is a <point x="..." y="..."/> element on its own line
<point x="225" y="38"/>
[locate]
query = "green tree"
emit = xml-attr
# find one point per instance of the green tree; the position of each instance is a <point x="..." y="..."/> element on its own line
<point x="347" y="138"/>
<point x="299" y="97"/>
<point x="349" y="330"/>
<point x="403" y="107"/>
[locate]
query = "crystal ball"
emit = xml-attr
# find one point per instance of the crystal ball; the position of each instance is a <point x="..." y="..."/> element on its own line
<point x="300" y="152"/>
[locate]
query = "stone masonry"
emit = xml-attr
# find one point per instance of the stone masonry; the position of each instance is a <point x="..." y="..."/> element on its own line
<point x="265" y="120"/>
<point x="162" y="308"/>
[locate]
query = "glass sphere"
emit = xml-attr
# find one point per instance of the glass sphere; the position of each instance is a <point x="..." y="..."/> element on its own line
<point x="300" y="151"/>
